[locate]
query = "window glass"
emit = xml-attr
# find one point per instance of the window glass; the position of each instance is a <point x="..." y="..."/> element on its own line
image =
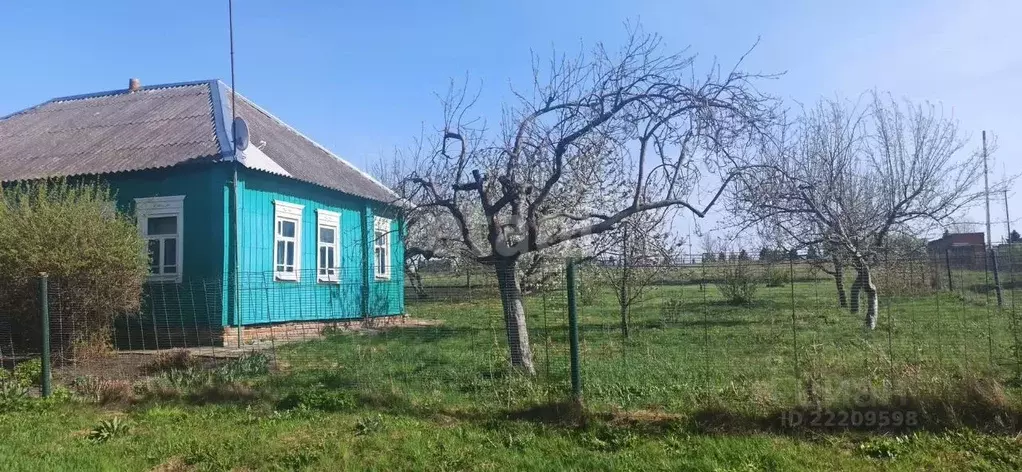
<point x="162" y="225"/>
<point x="159" y="222"/>
<point x="170" y="252"/>
<point x="326" y="235"/>
<point x="287" y="229"/>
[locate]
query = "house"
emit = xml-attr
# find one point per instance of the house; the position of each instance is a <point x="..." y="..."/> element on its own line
<point x="960" y="250"/>
<point x="244" y="237"/>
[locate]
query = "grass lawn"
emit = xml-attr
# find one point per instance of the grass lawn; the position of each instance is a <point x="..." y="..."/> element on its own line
<point x="178" y="438"/>
<point x="698" y="385"/>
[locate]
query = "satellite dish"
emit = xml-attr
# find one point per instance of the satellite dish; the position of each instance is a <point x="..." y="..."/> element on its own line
<point x="241" y="137"/>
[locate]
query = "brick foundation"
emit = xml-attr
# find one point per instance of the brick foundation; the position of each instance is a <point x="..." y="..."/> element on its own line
<point x="305" y="330"/>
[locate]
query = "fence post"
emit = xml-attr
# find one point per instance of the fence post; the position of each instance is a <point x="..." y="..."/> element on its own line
<point x="947" y="261"/>
<point x="576" y="373"/>
<point x="44" y="300"/>
<point x="997" y="276"/>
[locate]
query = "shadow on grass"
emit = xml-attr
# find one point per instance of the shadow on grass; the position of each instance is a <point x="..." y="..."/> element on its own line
<point x="693" y="323"/>
<point x="989" y="287"/>
<point x="978" y="404"/>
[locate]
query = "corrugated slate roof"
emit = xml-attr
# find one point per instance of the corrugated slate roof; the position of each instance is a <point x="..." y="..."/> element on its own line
<point x="161" y="126"/>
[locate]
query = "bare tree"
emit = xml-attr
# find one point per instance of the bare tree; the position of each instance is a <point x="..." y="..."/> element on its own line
<point x="642" y="250"/>
<point x="599" y="137"/>
<point x="432" y="235"/>
<point x="848" y="177"/>
<point x="428" y="235"/>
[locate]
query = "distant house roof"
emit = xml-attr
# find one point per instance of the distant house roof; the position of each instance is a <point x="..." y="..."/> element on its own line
<point x="162" y="126"/>
<point x="958" y="240"/>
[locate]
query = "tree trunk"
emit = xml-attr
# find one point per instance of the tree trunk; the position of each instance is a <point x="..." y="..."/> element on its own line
<point x="622" y="299"/>
<point x="839" y="281"/>
<point x="415" y="280"/>
<point x="873" y="309"/>
<point x="514" y="316"/>
<point x="624" y="321"/>
<point x="864" y="282"/>
<point x="625" y="275"/>
<point x="855" y="294"/>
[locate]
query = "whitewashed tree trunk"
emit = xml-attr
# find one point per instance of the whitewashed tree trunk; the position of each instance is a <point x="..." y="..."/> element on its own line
<point x="864" y="283"/>
<point x="514" y="315"/>
<point x="873" y="307"/>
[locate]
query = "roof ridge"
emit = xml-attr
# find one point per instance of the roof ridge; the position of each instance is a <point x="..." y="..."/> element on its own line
<point x="109" y="93"/>
<point x="372" y="179"/>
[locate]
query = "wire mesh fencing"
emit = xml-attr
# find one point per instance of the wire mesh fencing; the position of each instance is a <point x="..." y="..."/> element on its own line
<point x="439" y="337"/>
<point x="737" y="333"/>
<point x="731" y="333"/>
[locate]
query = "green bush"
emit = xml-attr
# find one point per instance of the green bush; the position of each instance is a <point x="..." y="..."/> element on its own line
<point x="777" y="277"/>
<point x="588" y="292"/>
<point x="13" y="396"/>
<point x="737" y="284"/>
<point x="29" y="373"/>
<point x="94" y="257"/>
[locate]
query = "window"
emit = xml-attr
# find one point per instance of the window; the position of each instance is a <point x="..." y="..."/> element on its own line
<point x="381" y="248"/>
<point x="287" y="240"/>
<point x="160" y="221"/>
<point x="327" y="246"/>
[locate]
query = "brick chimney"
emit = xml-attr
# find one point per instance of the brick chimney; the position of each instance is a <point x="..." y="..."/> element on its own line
<point x="134" y="85"/>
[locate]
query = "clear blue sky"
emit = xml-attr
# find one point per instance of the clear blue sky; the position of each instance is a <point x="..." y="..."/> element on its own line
<point x="360" y="77"/>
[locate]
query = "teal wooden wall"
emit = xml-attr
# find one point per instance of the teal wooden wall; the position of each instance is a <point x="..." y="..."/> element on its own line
<point x="203" y="210"/>
<point x="190" y="313"/>
<point x="196" y="310"/>
<point x="388" y="296"/>
<point x="262" y="299"/>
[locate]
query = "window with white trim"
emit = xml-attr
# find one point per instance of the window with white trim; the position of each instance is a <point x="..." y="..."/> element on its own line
<point x="381" y="247"/>
<point x="287" y="240"/>
<point x="161" y="223"/>
<point x="328" y="235"/>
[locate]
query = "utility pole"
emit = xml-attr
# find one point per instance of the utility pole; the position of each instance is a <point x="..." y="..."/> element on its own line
<point x="1007" y="219"/>
<point x="986" y="188"/>
<point x="990" y="239"/>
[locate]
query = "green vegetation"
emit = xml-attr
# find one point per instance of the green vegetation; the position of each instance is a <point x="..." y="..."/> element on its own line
<point x="700" y="384"/>
<point x="72" y="232"/>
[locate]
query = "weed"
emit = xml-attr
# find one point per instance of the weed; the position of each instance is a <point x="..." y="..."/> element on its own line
<point x="606" y="438"/>
<point x="93" y="346"/>
<point x="29" y="373"/>
<point x="177" y="359"/>
<point x="885" y="447"/>
<point x="1001" y="450"/>
<point x="318" y="398"/>
<point x="297" y="459"/>
<point x="13" y="396"/>
<point x="109" y="429"/>
<point x="368" y="425"/>
<point x="249" y="365"/>
<point x="115" y="391"/>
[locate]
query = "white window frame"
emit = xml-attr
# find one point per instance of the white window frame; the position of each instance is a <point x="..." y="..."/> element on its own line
<point x="157" y="207"/>
<point x="285" y="211"/>
<point x="380" y="223"/>
<point x="326" y="219"/>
